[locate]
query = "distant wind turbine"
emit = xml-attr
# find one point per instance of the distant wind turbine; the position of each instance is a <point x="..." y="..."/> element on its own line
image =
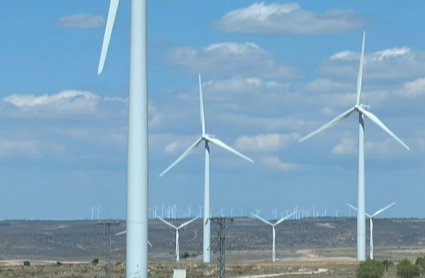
<point x="363" y="111"/>
<point x="274" y="230"/>
<point x="371" y="224"/>
<point x="177" y="233"/>
<point x="207" y="138"/>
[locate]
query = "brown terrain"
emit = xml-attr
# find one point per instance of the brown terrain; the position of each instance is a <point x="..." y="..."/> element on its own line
<point x="316" y="247"/>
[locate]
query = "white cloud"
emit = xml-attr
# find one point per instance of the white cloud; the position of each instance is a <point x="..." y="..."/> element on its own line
<point x="413" y="88"/>
<point x="288" y="18"/>
<point x="263" y="123"/>
<point x="274" y="162"/>
<point x="65" y="103"/>
<point x="346" y="146"/>
<point x="242" y="85"/>
<point x="80" y="21"/>
<point x="28" y="148"/>
<point x="396" y="63"/>
<point x="264" y="143"/>
<point x="235" y="59"/>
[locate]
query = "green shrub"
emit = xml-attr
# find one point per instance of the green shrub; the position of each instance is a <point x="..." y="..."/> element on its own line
<point x="387" y="264"/>
<point x="95" y="261"/>
<point x="27" y="263"/>
<point x="405" y="269"/>
<point x="59" y="263"/>
<point x="370" y="269"/>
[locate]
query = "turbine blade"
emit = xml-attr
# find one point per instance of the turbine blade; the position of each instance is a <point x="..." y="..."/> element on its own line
<point x="187" y="223"/>
<point x="167" y="223"/>
<point x="113" y="7"/>
<point x="382" y="209"/>
<point x="360" y="76"/>
<point x="201" y="105"/>
<point x="353" y="207"/>
<point x="283" y="219"/>
<point x="261" y="219"/>
<point x="150" y="244"/>
<point x="186" y="153"/>
<point x="226" y="147"/>
<point x="121" y="233"/>
<point x="336" y="120"/>
<point x="378" y="122"/>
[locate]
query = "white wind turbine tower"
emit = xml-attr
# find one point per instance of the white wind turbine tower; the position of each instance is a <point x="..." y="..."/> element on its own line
<point x="207" y="140"/>
<point x="137" y="149"/>
<point x="274" y="230"/>
<point x="177" y="233"/>
<point x="371" y="225"/>
<point x="363" y="111"/>
<point x="98" y="212"/>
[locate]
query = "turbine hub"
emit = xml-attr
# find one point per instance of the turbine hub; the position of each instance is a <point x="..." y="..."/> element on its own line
<point x="365" y="106"/>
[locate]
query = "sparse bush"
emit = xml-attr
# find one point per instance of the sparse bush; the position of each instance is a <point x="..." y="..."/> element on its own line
<point x="185" y="255"/>
<point x="59" y="263"/>
<point x="370" y="269"/>
<point x="95" y="261"/>
<point x="420" y="261"/>
<point x="27" y="263"/>
<point x="405" y="269"/>
<point x="387" y="264"/>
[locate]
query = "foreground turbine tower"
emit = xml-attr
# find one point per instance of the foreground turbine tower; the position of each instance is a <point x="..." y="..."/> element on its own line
<point x="207" y="138"/>
<point x="137" y="150"/>
<point x="371" y="225"/>
<point x="363" y="111"/>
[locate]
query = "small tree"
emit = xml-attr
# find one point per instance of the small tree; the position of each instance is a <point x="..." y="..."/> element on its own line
<point x="185" y="255"/>
<point x="387" y="264"/>
<point x="59" y="263"/>
<point x="95" y="261"/>
<point x="405" y="269"/>
<point x="370" y="269"/>
<point x="27" y="263"/>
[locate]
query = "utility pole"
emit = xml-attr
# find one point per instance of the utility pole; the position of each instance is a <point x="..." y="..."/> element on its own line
<point x="108" y="224"/>
<point x="221" y="237"/>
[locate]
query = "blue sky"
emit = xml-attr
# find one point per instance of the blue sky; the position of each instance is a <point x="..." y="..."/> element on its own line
<point x="272" y="72"/>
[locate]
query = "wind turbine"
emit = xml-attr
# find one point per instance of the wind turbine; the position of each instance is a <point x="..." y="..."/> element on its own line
<point x="177" y="233"/>
<point x="207" y="140"/>
<point x="274" y="230"/>
<point x="137" y="150"/>
<point x="363" y="111"/>
<point x="371" y="224"/>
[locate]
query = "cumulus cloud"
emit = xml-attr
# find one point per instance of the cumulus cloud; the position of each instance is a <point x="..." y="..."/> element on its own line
<point x="274" y="162"/>
<point x="381" y="147"/>
<point x="80" y="21"/>
<point x="396" y="63"/>
<point x="65" y="102"/>
<point x="28" y="148"/>
<point x="263" y="123"/>
<point x="288" y="19"/>
<point x="264" y="143"/>
<point x="413" y="88"/>
<point x="243" y="85"/>
<point x="229" y="58"/>
<point x="346" y="146"/>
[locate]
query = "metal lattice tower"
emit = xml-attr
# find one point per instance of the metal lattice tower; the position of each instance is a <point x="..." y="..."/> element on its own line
<point x="108" y="224"/>
<point x="221" y="248"/>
